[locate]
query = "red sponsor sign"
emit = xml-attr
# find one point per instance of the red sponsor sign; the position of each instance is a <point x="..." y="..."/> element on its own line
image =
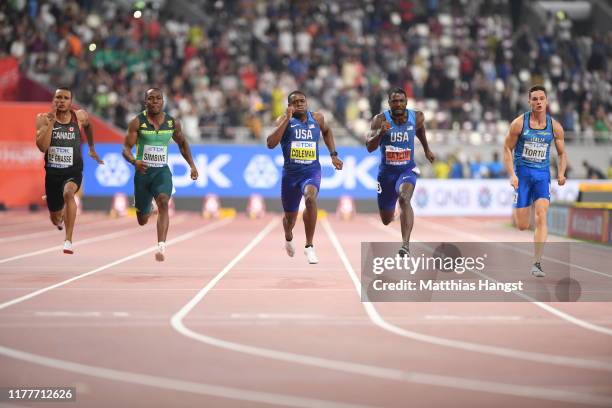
<point x="22" y="174"/>
<point x="591" y="224"/>
<point x="610" y="227"/>
<point x="19" y="156"/>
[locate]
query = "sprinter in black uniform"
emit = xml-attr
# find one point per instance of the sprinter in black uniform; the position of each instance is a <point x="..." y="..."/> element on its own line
<point x="58" y="136"/>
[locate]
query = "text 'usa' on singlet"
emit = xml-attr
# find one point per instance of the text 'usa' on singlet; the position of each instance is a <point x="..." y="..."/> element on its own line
<point x="397" y="144"/>
<point x="300" y="144"/>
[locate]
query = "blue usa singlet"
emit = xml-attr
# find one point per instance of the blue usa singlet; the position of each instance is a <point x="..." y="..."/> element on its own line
<point x="397" y="145"/>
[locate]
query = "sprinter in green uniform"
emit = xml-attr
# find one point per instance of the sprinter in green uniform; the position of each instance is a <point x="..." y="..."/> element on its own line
<point x="151" y="131"/>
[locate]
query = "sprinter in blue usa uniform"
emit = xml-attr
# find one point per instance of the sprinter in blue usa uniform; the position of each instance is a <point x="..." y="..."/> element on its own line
<point x="527" y="161"/>
<point x="299" y="132"/>
<point x="393" y="131"/>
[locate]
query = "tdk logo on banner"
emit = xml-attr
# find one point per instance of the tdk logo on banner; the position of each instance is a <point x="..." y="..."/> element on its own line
<point x="261" y="172"/>
<point x="210" y="170"/>
<point x="115" y="172"/>
<point x="234" y="171"/>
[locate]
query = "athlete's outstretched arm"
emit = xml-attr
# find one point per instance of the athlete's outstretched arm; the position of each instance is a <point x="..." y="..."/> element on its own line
<point x="44" y="128"/>
<point x="559" y="134"/>
<point x="328" y="138"/>
<point x="129" y="142"/>
<point x="378" y="127"/>
<point x="420" y="133"/>
<point x="83" y="119"/>
<point x="509" y="144"/>
<point x="181" y="141"/>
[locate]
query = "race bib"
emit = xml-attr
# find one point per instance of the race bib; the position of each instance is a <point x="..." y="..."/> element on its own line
<point x="535" y="152"/>
<point x="303" y="152"/>
<point x="155" y="156"/>
<point x="59" y="157"/>
<point x="397" y="156"/>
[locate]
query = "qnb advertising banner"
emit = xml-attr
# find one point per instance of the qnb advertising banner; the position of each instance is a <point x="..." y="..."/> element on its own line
<point x="485" y="272"/>
<point x="239" y="171"/>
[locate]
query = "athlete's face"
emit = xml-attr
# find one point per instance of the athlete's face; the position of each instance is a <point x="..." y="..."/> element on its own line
<point x="538" y="101"/>
<point x="298" y="101"/>
<point x="154" y="101"/>
<point x="397" y="104"/>
<point x="62" y="100"/>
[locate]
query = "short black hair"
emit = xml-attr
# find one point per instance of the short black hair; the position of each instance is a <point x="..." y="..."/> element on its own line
<point x="397" y="90"/>
<point x="154" y="88"/>
<point x="537" y="88"/>
<point x="296" y="92"/>
<point x="64" y="88"/>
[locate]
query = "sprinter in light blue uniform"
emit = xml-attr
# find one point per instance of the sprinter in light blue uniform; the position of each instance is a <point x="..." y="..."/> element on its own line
<point x="299" y="132"/>
<point x="393" y="131"/>
<point x="532" y="162"/>
<point x="527" y="161"/>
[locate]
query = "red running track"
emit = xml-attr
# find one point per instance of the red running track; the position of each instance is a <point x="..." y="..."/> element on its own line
<point x="230" y="321"/>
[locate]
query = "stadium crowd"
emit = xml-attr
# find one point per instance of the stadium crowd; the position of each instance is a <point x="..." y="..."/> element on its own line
<point x="466" y="64"/>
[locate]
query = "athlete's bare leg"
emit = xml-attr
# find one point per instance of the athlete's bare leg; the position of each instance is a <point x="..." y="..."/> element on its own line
<point x="70" y="206"/>
<point x="521" y="217"/>
<point x="163" y="219"/>
<point x="57" y="218"/>
<point x="143" y="218"/>
<point x="288" y="223"/>
<point x="387" y="216"/>
<point x="310" y="213"/>
<point x="541" y="227"/>
<point x="406" y="214"/>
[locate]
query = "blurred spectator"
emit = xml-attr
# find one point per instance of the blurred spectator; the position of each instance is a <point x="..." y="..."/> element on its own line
<point x="602" y="125"/>
<point x="496" y="167"/>
<point x="592" y="172"/>
<point x="466" y="64"/>
<point x="478" y="169"/>
<point x="441" y="169"/>
<point x="456" y="168"/>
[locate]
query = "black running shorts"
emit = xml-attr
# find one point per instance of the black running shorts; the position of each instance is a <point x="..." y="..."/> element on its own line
<point x="54" y="187"/>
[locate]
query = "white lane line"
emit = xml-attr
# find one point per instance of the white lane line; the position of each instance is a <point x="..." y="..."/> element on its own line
<point x="185" y="268"/>
<point x="188" y="289"/>
<point x="172" y="384"/>
<point x="176" y="240"/>
<point x="458" y="344"/>
<point x="67" y="313"/>
<point x="61" y="313"/>
<point x="154" y="381"/>
<point x="53" y="231"/>
<point x="363" y="369"/>
<point x="550" y="309"/>
<point x="82" y="242"/>
<point x="473" y="318"/>
<point x="58" y="248"/>
<point x="177" y="319"/>
<point x="18" y="226"/>
<point x="277" y="316"/>
<point x="482" y="238"/>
